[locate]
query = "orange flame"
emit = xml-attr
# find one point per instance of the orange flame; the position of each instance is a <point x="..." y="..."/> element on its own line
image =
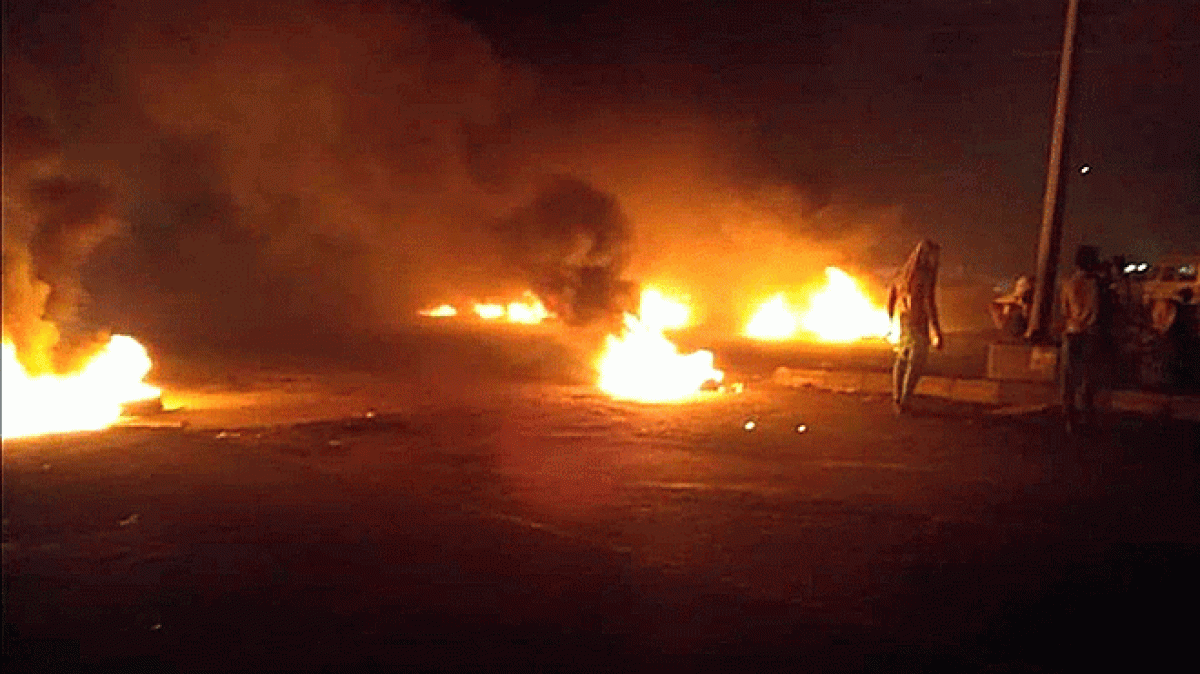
<point x="440" y="311"/>
<point x="841" y="312"/>
<point x="774" y="319"/>
<point x="88" y="400"/>
<point x="644" y="365"/>
<point x="529" y="311"/>
<point x="838" y="312"/>
<point x="489" y="312"/>
<point x="666" y="313"/>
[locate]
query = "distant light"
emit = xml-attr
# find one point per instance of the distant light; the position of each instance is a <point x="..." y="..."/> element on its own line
<point x="1143" y="266"/>
<point x="1129" y="268"/>
<point x="749" y="425"/>
<point x="1085" y="168"/>
<point x="801" y="428"/>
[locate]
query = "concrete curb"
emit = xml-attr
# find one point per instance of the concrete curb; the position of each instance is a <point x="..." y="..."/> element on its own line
<point x="990" y="391"/>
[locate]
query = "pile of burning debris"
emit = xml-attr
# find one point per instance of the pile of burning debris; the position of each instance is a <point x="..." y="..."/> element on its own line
<point x="107" y="387"/>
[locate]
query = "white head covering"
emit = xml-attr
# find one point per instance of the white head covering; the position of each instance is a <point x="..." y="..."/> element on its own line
<point x="922" y="264"/>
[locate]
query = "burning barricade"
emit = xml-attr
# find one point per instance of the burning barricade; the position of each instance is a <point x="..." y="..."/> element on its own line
<point x="528" y="310"/>
<point x="642" y="364"/>
<point x="838" y="311"/>
<point x="92" y="398"/>
<point x="638" y="361"/>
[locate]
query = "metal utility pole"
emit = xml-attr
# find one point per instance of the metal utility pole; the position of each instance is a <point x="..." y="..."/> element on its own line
<point x="1050" y="240"/>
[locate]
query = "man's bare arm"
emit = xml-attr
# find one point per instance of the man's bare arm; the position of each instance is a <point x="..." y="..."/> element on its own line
<point x="935" y="322"/>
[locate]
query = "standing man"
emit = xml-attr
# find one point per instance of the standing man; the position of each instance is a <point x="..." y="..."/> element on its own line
<point x="1082" y="340"/>
<point x="912" y="306"/>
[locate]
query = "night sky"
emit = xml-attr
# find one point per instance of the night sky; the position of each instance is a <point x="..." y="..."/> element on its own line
<point x="217" y="168"/>
<point x="942" y="107"/>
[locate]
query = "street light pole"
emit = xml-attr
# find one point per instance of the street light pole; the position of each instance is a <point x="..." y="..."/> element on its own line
<point x="1050" y="239"/>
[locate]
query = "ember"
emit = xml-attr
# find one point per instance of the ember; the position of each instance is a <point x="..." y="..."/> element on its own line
<point x="88" y="400"/>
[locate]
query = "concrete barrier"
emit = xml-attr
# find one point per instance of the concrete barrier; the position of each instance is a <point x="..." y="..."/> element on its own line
<point x="935" y="386"/>
<point x="1026" y="394"/>
<point x="1022" y="362"/>
<point x="1141" y="402"/>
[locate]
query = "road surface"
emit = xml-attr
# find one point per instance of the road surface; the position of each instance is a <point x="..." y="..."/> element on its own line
<point x="354" y="523"/>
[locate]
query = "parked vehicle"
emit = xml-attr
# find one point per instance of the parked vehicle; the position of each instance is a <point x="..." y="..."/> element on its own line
<point x="1170" y="277"/>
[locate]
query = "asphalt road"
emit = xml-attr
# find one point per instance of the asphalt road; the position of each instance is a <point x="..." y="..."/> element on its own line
<point x="361" y="524"/>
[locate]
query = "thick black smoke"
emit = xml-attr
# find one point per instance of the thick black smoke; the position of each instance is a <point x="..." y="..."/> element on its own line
<point x="571" y="244"/>
<point x="53" y="220"/>
<point x="292" y="168"/>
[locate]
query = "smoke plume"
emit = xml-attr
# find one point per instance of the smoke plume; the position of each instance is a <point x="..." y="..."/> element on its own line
<point x="571" y="244"/>
<point x="210" y="171"/>
<point x="52" y="222"/>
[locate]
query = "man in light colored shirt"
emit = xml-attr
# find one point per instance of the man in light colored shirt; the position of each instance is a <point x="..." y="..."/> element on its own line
<point x="1082" y="338"/>
<point x="912" y="305"/>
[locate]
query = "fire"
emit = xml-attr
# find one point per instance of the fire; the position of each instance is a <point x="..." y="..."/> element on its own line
<point x="88" y="400"/>
<point x="529" y="310"/>
<point x="489" y="312"/>
<point x="440" y="311"/>
<point x="644" y="365"/>
<point x="838" y="312"/>
<point x="773" y="320"/>
<point x="841" y="312"/>
<point x="669" y="314"/>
